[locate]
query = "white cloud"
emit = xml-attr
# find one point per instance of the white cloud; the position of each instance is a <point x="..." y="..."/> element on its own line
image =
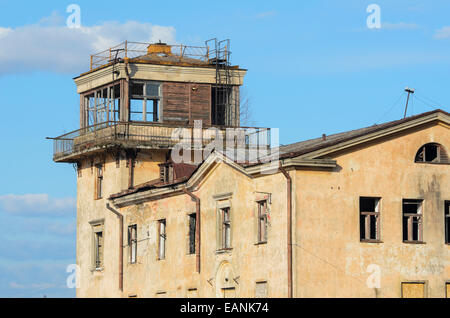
<point x="399" y="26"/>
<point x="34" y="204"/>
<point x="52" y="47"/>
<point x="443" y="33"/>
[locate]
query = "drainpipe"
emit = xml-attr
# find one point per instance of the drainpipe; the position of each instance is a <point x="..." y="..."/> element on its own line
<point x="120" y="217"/>
<point x="289" y="228"/>
<point x="197" y="227"/>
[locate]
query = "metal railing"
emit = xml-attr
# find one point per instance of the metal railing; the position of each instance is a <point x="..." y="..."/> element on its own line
<point x="155" y="136"/>
<point x="135" y="49"/>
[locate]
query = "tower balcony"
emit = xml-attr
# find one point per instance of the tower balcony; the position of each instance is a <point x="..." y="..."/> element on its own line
<point x="87" y="141"/>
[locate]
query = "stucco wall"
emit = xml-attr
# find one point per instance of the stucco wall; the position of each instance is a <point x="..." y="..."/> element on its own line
<point x="330" y="259"/>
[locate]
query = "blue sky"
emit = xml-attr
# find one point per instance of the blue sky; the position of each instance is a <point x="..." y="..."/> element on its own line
<point x="314" y="67"/>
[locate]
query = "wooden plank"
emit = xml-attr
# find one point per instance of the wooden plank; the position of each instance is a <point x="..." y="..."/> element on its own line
<point x="413" y="290"/>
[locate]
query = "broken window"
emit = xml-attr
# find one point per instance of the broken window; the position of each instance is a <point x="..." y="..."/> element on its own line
<point x="166" y="172"/>
<point x="412" y="220"/>
<point x="262" y="221"/>
<point x="432" y="153"/>
<point x="132" y="242"/>
<point x="162" y="239"/>
<point x="99" y="182"/>
<point x="447" y="222"/>
<point x="144" y="101"/>
<point x="98" y="240"/>
<point x="369" y="219"/>
<point x="102" y="105"/>
<point x="225" y="228"/>
<point x="192" y="231"/>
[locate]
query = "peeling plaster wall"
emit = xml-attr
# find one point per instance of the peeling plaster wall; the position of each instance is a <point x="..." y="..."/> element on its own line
<point x="241" y="267"/>
<point x="330" y="259"/>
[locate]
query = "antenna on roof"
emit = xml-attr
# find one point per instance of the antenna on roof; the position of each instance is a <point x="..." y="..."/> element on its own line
<point x="409" y="91"/>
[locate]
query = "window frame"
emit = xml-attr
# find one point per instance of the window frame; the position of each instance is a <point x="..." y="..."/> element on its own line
<point x="192" y="235"/>
<point x="441" y="154"/>
<point x="162" y="239"/>
<point x="447" y="222"/>
<point x="367" y="221"/>
<point x="99" y="171"/>
<point x="262" y="221"/>
<point x="225" y="228"/>
<point x="410" y="222"/>
<point x="155" y="102"/>
<point x="132" y="244"/>
<point x="98" y="226"/>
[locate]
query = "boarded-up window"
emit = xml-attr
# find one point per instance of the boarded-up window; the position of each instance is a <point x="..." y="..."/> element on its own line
<point x="447" y="290"/>
<point x="369" y="219"/>
<point x="413" y="290"/>
<point x="192" y="293"/>
<point x="132" y="242"/>
<point x="262" y="221"/>
<point x="229" y="292"/>
<point x="261" y="290"/>
<point x="412" y="220"/>
<point x="162" y="239"/>
<point x="192" y="228"/>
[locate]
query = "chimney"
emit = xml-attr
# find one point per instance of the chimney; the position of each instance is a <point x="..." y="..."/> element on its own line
<point x="324" y="137"/>
<point x="159" y="48"/>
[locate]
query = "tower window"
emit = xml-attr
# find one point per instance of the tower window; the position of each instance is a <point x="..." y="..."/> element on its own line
<point x="432" y="153"/>
<point x="412" y="220"/>
<point x="144" y="101"/>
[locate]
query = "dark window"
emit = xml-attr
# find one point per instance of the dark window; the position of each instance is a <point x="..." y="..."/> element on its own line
<point x="162" y="239"/>
<point x="98" y="241"/>
<point x="432" y="153"/>
<point x="144" y="101"/>
<point x="132" y="242"/>
<point x="225" y="228"/>
<point x="99" y="182"/>
<point x="369" y="219"/>
<point x="262" y="221"/>
<point x="412" y="220"/>
<point x="447" y="222"/>
<point x="192" y="229"/>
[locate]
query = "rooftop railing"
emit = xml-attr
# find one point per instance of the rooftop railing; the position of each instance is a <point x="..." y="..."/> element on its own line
<point x="135" y="49"/>
<point x="154" y="136"/>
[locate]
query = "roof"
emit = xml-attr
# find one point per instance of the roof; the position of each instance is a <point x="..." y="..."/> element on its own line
<point x="182" y="172"/>
<point x="307" y="146"/>
<point x="186" y="171"/>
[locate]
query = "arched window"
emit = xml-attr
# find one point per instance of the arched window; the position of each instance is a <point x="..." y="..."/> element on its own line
<point x="432" y="153"/>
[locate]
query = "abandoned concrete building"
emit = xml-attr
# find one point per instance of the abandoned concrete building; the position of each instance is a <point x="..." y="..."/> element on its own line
<point x="364" y="213"/>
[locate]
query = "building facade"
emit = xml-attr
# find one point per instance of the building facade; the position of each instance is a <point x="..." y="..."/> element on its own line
<point x="358" y="214"/>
